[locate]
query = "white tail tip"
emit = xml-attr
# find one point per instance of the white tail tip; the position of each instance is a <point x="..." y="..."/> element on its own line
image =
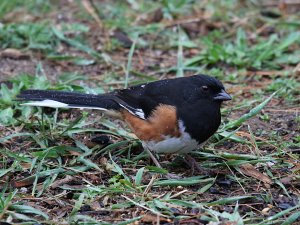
<point x="47" y="103"/>
<point x="56" y="104"/>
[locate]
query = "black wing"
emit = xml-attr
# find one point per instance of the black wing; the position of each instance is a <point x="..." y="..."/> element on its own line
<point x="141" y="100"/>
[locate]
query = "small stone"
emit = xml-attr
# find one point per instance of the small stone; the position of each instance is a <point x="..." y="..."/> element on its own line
<point x="265" y="211"/>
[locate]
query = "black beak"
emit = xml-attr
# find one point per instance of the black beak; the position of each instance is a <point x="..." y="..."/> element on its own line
<point x="222" y="96"/>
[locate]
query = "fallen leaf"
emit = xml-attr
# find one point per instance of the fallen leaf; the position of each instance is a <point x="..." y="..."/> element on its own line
<point x="25" y="182"/>
<point x="149" y="218"/>
<point x="251" y="171"/>
<point x="13" y="54"/>
<point x="60" y="182"/>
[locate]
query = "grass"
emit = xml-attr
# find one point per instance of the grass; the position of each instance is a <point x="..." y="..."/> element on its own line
<point x="52" y="173"/>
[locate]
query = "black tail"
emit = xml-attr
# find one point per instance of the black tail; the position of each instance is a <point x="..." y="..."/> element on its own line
<point x="58" y="99"/>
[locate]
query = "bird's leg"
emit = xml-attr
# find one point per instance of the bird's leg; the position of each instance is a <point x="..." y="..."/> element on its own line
<point x="168" y="175"/>
<point x="153" y="158"/>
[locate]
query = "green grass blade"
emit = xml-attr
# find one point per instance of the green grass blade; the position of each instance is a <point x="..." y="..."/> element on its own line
<point x="128" y="68"/>
<point x="180" y="64"/>
<point x="78" y="204"/>
<point x="253" y="112"/>
<point x="282" y="213"/>
<point x="2" y="140"/>
<point x="224" y="201"/>
<point x="139" y="176"/>
<point x="28" y="209"/>
<point x="183" y="182"/>
<point x="292" y="218"/>
<point x="118" y="169"/>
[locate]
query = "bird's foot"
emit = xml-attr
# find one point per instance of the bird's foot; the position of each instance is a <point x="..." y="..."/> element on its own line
<point x="168" y="175"/>
<point x="189" y="160"/>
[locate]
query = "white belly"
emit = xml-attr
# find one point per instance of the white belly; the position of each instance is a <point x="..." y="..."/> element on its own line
<point x="182" y="144"/>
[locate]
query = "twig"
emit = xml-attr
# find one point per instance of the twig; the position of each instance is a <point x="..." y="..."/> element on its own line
<point x="153" y="178"/>
<point x="144" y="207"/>
<point x="177" y="194"/>
<point x="90" y="8"/>
<point x="65" y="180"/>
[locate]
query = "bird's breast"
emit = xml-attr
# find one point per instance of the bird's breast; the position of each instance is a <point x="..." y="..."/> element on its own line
<point x="162" y="131"/>
<point x="181" y="144"/>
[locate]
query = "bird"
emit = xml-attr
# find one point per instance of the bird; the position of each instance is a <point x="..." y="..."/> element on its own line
<point x="175" y="115"/>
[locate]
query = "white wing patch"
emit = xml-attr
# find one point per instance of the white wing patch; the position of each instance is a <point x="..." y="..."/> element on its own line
<point x="137" y="112"/>
<point x="140" y="113"/>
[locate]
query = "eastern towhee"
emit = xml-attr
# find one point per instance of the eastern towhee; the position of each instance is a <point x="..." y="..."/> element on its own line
<point x="168" y="116"/>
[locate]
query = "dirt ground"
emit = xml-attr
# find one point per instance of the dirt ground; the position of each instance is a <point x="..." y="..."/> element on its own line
<point x="275" y="184"/>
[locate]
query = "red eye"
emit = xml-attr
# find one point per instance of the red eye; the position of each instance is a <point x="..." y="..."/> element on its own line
<point x="204" y="88"/>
